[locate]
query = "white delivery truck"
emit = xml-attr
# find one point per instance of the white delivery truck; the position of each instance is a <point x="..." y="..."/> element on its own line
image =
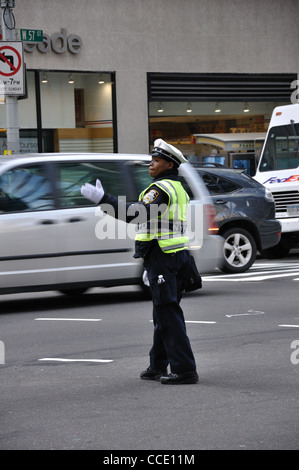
<point x="278" y="170"/>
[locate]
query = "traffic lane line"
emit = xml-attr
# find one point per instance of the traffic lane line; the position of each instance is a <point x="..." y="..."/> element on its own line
<point x="198" y="321"/>
<point x="58" y="359"/>
<point x="68" y="319"/>
<point x="195" y="321"/>
<point x="290" y="326"/>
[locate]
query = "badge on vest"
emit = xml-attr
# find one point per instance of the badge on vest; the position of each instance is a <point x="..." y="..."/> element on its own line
<point x="150" y="196"/>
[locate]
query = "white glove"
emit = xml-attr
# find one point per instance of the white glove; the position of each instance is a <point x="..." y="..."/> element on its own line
<point x="93" y="193"/>
<point x="145" y="278"/>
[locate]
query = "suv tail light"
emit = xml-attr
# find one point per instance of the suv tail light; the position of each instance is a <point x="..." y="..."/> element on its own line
<point x="211" y="218"/>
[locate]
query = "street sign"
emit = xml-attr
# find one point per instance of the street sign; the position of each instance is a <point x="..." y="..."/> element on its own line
<point x="11" y="68"/>
<point x="31" y="35"/>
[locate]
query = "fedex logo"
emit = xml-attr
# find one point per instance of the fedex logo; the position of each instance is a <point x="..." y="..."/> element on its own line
<point x="289" y="179"/>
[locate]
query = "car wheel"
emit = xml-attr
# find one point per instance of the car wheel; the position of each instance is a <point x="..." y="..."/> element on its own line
<point x="239" y="250"/>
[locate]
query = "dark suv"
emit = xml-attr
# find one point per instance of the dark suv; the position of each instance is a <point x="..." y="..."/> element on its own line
<point x="245" y="213"/>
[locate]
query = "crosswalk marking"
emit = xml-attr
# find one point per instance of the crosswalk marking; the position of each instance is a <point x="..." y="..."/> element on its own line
<point x="58" y="359"/>
<point x="258" y="272"/>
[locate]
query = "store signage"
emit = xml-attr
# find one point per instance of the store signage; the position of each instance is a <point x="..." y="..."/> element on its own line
<point x="58" y="42"/>
<point x="27" y="145"/>
<point x="11" y="68"/>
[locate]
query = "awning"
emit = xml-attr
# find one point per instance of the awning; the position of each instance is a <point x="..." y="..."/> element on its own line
<point x="230" y="141"/>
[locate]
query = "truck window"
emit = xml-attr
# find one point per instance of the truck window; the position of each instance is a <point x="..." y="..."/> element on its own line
<point x="281" y="149"/>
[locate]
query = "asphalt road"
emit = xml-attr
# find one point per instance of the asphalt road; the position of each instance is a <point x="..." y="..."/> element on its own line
<point x="70" y="377"/>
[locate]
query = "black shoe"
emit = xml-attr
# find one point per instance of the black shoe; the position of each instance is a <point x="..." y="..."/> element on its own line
<point x="152" y="374"/>
<point x="190" y="377"/>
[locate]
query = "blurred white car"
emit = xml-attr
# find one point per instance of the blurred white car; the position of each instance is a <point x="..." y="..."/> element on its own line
<point x="52" y="238"/>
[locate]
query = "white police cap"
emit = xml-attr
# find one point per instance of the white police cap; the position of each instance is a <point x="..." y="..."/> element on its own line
<point x="168" y="152"/>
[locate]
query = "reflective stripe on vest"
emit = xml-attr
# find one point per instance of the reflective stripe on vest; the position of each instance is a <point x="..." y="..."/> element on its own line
<point x="167" y="227"/>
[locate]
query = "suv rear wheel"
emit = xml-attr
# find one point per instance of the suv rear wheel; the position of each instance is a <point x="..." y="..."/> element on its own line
<point x="239" y="250"/>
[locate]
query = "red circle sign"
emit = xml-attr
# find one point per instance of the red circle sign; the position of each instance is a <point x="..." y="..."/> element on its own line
<point x="11" y="65"/>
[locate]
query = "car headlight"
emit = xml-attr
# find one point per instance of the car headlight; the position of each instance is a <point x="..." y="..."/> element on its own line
<point x="269" y="195"/>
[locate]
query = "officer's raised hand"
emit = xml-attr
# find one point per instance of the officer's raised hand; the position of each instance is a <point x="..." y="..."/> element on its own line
<point x="93" y="193"/>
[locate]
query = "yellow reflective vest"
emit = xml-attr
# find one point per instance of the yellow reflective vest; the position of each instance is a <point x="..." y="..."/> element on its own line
<point x="167" y="223"/>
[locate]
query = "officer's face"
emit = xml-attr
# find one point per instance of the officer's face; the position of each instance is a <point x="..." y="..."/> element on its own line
<point x="157" y="165"/>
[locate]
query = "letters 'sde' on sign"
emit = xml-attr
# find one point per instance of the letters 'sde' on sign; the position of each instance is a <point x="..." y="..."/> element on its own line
<point x="11" y="68"/>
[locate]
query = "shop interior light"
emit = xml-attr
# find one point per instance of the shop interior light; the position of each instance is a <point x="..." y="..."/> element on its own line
<point x="71" y="80"/>
<point x="160" y="108"/>
<point x="246" y="108"/>
<point x="44" y="78"/>
<point x="189" y="108"/>
<point x="101" y="80"/>
<point x="217" y="108"/>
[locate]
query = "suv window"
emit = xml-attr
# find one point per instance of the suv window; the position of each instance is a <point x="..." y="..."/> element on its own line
<point x="71" y="176"/>
<point x="25" y="189"/>
<point x="219" y="185"/>
<point x="211" y="184"/>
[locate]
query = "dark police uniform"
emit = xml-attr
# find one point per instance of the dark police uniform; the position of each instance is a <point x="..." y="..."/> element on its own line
<point x="164" y="250"/>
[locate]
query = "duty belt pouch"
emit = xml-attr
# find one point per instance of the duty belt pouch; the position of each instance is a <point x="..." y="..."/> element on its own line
<point x="193" y="279"/>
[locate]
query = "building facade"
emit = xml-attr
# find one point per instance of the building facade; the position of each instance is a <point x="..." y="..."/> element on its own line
<point x="112" y="75"/>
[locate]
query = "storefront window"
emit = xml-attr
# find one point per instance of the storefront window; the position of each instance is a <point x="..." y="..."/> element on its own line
<point x="64" y="112"/>
<point x="213" y="132"/>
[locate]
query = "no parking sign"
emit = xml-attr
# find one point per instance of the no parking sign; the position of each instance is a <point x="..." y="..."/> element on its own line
<point x="11" y="68"/>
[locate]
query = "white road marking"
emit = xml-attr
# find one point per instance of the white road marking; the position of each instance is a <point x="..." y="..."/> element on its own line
<point x="257" y="266"/>
<point x="70" y="319"/>
<point x="249" y="312"/>
<point x="197" y="321"/>
<point x="194" y="321"/>
<point x="247" y="276"/>
<point x="56" y="359"/>
<point x="290" y="326"/>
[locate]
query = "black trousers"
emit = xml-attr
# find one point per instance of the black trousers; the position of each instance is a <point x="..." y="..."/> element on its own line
<point x="171" y="345"/>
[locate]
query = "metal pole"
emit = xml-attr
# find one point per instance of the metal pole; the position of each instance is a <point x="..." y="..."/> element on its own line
<point x="12" y="117"/>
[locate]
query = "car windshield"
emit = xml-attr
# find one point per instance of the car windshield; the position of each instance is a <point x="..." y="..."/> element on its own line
<point x="281" y="149"/>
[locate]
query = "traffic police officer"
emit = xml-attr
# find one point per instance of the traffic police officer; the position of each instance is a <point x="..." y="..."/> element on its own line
<point x="163" y="245"/>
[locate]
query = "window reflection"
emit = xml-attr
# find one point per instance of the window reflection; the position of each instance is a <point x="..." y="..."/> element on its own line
<point x="76" y="114"/>
<point x="25" y="189"/>
<point x="71" y="176"/>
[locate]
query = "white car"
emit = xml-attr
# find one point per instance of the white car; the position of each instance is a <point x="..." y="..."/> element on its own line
<point x="52" y="238"/>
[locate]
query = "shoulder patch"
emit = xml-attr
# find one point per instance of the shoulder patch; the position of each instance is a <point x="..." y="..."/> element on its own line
<point x="150" y="196"/>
